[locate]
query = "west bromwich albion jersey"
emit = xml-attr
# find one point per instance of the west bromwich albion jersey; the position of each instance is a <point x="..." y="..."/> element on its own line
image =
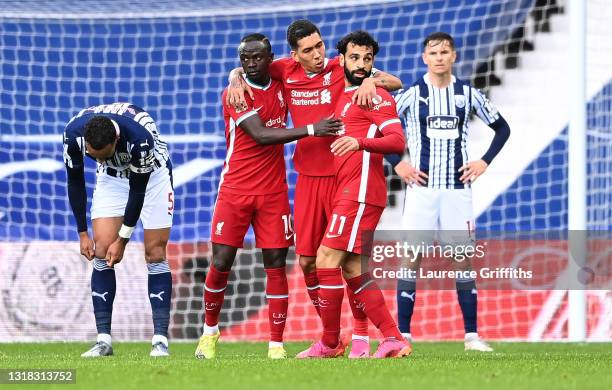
<point x="140" y="147"/>
<point x="138" y="152"/>
<point x="437" y="127"/>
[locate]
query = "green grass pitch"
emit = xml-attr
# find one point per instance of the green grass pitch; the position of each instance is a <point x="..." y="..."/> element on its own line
<point x="552" y="366"/>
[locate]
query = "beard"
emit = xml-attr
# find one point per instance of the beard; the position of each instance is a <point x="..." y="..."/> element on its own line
<point x="353" y="79"/>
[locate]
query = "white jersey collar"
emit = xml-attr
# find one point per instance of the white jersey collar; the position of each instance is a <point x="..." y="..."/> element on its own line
<point x="428" y="80"/>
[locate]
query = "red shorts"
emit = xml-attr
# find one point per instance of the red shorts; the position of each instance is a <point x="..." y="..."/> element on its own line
<point x="312" y="207"/>
<point x="269" y="214"/>
<point x="350" y="221"/>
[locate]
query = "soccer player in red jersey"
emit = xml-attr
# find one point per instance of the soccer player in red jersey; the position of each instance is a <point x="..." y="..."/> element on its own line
<point x="253" y="191"/>
<point x="360" y="198"/>
<point x="314" y="85"/>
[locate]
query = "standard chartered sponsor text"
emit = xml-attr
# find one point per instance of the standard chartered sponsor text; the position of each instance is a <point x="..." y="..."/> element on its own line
<point x="305" y="98"/>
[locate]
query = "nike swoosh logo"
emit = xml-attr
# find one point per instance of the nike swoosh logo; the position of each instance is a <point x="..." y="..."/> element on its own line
<point x="210" y="309"/>
<point x="258" y="108"/>
<point x="332" y="236"/>
<point x="288" y="237"/>
<point x="289" y="81"/>
<point x="278" y="322"/>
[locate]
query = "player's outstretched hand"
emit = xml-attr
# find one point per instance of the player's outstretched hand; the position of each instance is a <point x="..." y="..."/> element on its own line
<point x="410" y="174"/>
<point x="328" y="127"/>
<point x="343" y="145"/>
<point x="114" y="254"/>
<point x="365" y="96"/>
<point x="87" y="246"/>
<point x="235" y="92"/>
<point x="472" y="170"/>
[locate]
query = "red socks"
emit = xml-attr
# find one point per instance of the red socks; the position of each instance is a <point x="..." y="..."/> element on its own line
<point x="360" y="319"/>
<point x="214" y="291"/>
<point x="312" y="286"/>
<point x="331" y="293"/>
<point x="370" y="299"/>
<point x="277" y="293"/>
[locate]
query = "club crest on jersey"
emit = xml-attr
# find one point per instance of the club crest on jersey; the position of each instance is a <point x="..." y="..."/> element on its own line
<point x="327" y="79"/>
<point x="459" y="101"/>
<point x="124" y="157"/>
<point x="325" y="97"/>
<point x="443" y="127"/>
<point x="219" y="228"/>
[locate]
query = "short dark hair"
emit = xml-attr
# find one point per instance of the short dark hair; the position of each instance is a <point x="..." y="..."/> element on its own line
<point x="256" y="37"/>
<point x="300" y="29"/>
<point x="439" y="36"/>
<point x="359" y="38"/>
<point x="99" y="132"/>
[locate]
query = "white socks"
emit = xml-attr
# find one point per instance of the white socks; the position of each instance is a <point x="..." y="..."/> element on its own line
<point x="208" y="330"/>
<point x="158" y="338"/>
<point x="105" y="338"/>
<point x="359" y="337"/>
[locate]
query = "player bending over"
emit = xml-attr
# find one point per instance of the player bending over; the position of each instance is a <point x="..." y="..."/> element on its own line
<point x="360" y="198"/>
<point x="134" y="180"/>
<point x="437" y="109"/>
<point x="253" y="191"/>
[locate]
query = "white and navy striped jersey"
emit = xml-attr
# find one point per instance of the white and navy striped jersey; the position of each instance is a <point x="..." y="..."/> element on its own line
<point x="437" y="127"/>
<point x="140" y="147"/>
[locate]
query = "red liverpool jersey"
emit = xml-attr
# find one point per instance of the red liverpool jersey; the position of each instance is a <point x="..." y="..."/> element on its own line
<point x="311" y="98"/>
<point x="250" y="168"/>
<point x="359" y="175"/>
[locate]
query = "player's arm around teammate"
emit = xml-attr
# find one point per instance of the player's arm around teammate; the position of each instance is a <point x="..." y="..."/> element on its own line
<point x="358" y="204"/>
<point x="313" y="85"/>
<point x="312" y="55"/>
<point x="253" y="192"/>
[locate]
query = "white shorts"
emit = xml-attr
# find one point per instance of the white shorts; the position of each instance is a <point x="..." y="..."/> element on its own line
<point x="448" y="212"/>
<point x="111" y="195"/>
